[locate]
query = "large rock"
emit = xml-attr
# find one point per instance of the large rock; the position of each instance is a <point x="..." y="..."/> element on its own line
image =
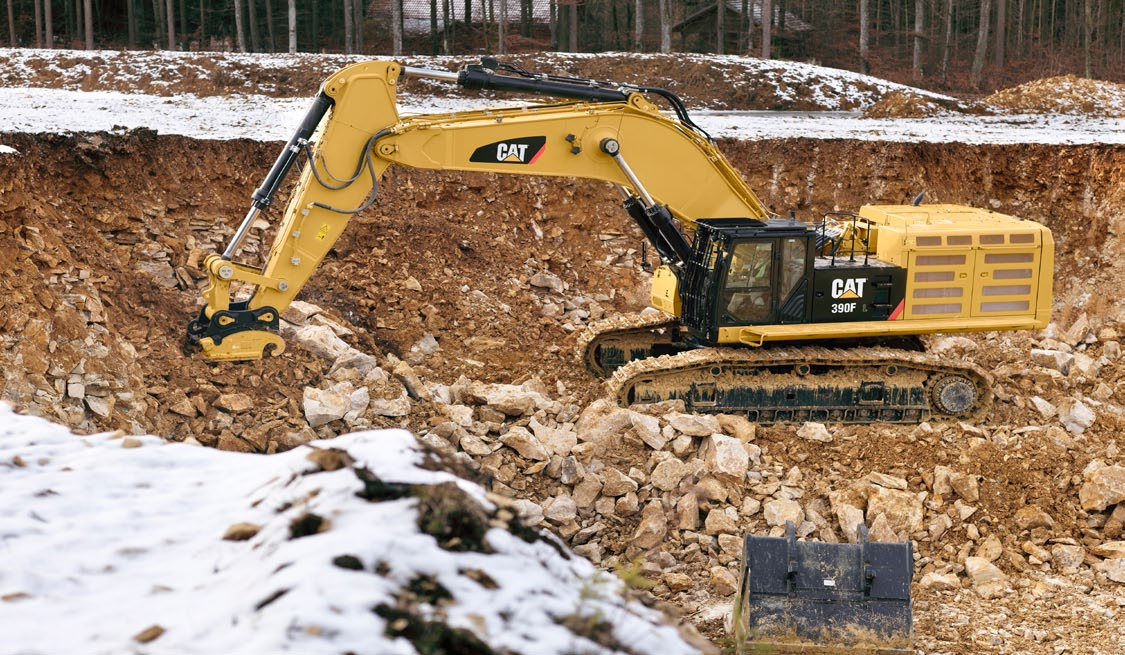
<point x="560" y="441"/>
<point x="668" y="474"/>
<point x="602" y="423"/>
<point x="902" y="509"/>
<point x="1114" y="569"/>
<point x="322" y="406"/>
<point x="695" y="425"/>
<point x="778" y="512"/>
<point x="319" y="339"/>
<point x="940" y="581"/>
<point x="726" y="457"/>
<point x="814" y="432"/>
<point x="738" y="427"/>
<point x="617" y="483"/>
<point x="1103" y="487"/>
<point x="988" y="580"/>
<point x="525" y="444"/>
<point x="721" y="521"/>
<point x="1067" y="557"/>
<point x="967" y="486"/>
<point x="1076" y="417"/>
<point x="1052" y="359"/>
<point x="723" y="582"/>
<point x="1044" y="407"/>
<point x="652" y="528"/>
<point x="1030" y="517"/>
<point x="560" y="509"/>
<point x="1110" y="550"/>
<point x="648" y="429"/>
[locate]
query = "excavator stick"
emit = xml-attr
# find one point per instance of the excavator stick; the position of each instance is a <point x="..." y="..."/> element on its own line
<point x="812" y="597"/>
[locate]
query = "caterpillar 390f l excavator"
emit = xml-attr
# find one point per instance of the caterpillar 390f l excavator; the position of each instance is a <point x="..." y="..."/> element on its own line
<point x="832" y="293"/>
<point x="743" y="283"/>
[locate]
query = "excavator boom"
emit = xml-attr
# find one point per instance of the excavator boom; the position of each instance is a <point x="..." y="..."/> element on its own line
<point x="615" y="135"/>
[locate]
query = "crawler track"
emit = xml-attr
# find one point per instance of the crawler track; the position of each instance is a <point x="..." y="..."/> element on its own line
<point x="781" y="385"/>
<point x="609" y="344"/>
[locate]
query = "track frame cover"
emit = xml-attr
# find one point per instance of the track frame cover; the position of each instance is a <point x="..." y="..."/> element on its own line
<point x="814" y="597"/>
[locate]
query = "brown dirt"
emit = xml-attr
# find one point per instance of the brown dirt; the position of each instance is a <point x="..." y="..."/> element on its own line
<point x="100" y="237"/>
<point x="1067" y="94"/>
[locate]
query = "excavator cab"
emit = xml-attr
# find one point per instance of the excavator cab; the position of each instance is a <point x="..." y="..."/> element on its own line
<point x="747" y="272"/>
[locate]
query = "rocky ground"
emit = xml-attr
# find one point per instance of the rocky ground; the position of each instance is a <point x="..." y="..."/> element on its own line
<point x="451" y="309"/>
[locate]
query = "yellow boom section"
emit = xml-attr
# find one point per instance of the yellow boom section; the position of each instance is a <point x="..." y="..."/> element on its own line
<point x="363" y="135"/>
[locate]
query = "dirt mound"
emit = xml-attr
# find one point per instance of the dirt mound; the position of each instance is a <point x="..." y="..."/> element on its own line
<point x="897" y="104"/>
<point x="1067" y="94"/>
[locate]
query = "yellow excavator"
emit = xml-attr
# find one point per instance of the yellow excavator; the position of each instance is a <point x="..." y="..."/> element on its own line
<point x="770" y="317"/>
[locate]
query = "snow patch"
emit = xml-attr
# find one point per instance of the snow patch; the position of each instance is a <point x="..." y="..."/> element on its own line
<point x="109" y="537"/>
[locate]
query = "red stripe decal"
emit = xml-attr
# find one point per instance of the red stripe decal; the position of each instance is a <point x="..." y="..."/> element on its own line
<point x="541" y="149"/>
<point x="897" y="311"/>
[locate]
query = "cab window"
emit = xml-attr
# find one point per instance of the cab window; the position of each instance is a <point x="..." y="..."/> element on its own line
<point x="748" y="291"/>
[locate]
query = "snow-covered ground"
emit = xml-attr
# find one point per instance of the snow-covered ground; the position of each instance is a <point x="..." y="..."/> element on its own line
<point x="273" y="119"/>
<point x="113" y="544"/>
<point x="26" y="107"/>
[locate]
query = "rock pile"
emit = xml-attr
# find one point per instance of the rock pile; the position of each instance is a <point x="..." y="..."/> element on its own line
<point x="677" y="492"/>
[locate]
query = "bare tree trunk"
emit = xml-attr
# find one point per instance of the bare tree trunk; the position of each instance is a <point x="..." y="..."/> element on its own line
<point x="434" y="42"/>
<point x="171" y="11"/>
<point x="38" y="25"/>
<point x="269" y="25"/>
<point x="638" y="25"/>
<point x="767" y="27"/>
<point x="11" y="23"/>
<point x="88" y="16"/>
<point x="293" y="26"/>
<point x="919" y="25"/>
<point x="349" y="36"/>
<point x="358" y="6"/>
<point x="131" y="21"/>
<point x="252" y="18"/>
<point x="982" y="43"/>
<point x="238" y="28"/>
<point x="553" y="24"/>
<point x="1019" y="27"/>
<point x="445" y="45"/>
<point x="48" y="25"/>
<point x="665" y="27"/>
<point x="1088" y="33"/>
<point x="502" y="35"/>
<point x="183" y="24"/>
<point x="573" y="26"/>
<point x="864" y="35"/>
<point x="948" y="41"/>
<point x="720" y="26"/>
<point x="396" y="27"/>
<point x="749" y="33"/>
<point x="1001" y="31"/>
<point x="202" y="27"/>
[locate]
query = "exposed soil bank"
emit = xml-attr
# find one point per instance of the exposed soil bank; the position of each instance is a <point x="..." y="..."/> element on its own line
<point x="101" y="236"/>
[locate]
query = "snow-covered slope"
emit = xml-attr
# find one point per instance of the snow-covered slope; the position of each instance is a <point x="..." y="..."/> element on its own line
<point x="148" y="95"/>
<point x="114" y="544"/>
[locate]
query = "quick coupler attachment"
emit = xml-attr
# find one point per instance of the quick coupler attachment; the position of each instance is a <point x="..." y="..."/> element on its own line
<point x="237" y="333"/>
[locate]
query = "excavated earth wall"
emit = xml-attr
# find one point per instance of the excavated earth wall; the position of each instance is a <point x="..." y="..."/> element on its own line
<point x="468" y="290"/>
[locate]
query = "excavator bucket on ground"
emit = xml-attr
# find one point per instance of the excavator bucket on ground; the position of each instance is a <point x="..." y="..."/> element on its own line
<point x="812" y="597"/>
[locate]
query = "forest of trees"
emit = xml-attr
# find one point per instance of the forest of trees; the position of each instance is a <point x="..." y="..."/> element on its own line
<point x="957" y="44"/>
